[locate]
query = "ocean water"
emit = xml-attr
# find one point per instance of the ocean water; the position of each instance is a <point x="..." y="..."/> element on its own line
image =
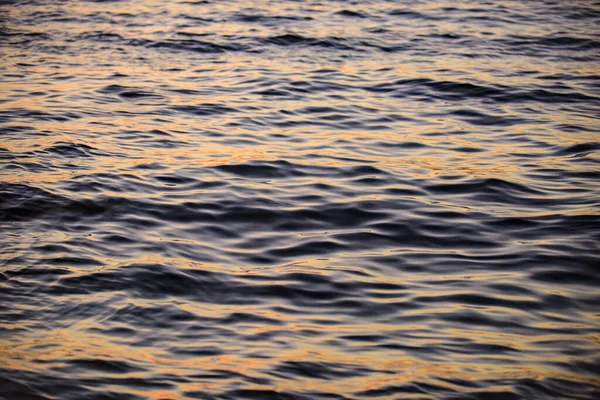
<point x="293" y="199"/>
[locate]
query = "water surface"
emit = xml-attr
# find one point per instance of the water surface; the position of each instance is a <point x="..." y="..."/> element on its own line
<point x="299" y="199"/>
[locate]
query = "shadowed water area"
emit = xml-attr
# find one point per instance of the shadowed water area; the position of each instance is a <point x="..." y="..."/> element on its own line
<point x="310" y="199"/>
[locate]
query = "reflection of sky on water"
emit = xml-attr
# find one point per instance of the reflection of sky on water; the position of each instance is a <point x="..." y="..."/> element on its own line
<point x="367" y="200"/>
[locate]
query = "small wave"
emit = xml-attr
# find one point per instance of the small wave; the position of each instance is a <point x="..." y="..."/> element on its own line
<point x="351" y="14"/>
<point x="21" y="202"/>
<point x="71" y="150"/>
<point x="298" y="40"/>
<point x="578" y="150"/>
<point x="101" y="37"/>
<point x="406" y="13"/>
<point x="204" y="109"/>
<point x="191" y="45"/>
<point x="20" y="114"/>
<point x="268" y="19"/>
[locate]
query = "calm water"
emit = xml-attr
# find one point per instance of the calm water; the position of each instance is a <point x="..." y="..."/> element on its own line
<point x="299" y="199"/>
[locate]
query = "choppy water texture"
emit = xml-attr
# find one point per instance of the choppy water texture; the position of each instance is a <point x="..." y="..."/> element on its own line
<point x="299" y="199"/>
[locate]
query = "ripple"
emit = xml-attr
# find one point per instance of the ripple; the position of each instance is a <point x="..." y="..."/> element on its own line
<point x="301" y="200"/>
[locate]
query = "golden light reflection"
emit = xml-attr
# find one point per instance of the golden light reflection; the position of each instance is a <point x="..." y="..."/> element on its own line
<point x="65" y="102"/>
<point x="60" y="345"/>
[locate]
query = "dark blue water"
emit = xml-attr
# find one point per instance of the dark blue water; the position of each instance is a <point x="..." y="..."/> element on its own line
<point x="299" y="199"/>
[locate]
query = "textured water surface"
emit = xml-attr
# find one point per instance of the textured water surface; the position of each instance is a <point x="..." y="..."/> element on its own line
<point x="299" y="199"/>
